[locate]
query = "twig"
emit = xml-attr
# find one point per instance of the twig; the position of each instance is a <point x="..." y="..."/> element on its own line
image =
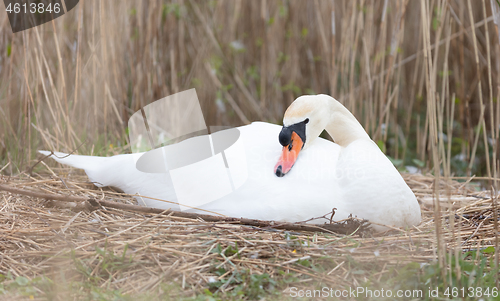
<point x="30" y="170"/>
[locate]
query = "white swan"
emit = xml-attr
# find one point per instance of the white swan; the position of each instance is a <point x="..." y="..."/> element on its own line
<point x="351" y="175"/>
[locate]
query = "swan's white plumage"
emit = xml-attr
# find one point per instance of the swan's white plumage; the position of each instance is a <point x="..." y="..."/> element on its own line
<point x="356" y="178"/>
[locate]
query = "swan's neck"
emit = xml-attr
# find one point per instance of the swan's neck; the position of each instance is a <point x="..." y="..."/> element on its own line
<point x="343" y="127"/>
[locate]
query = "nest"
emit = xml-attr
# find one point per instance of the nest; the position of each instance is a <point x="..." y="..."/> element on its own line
<point x="163" y="253"/>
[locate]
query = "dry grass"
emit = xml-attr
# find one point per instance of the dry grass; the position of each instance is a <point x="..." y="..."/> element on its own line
<point x="158" y="255"/>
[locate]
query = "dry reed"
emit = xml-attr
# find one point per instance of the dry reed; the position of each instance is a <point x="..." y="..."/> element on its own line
<point x="80" y="77"/>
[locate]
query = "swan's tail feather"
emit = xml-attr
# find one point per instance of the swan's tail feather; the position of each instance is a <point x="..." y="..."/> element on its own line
<point x="117" y="171"/>
<point x="98" y="169"/>
<point x="87" y="163"/>
<point x="120" y="172"/>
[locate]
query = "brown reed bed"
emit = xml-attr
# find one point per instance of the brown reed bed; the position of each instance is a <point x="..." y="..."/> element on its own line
<point x="165" y="255"/>
<point x="81" y="77"/>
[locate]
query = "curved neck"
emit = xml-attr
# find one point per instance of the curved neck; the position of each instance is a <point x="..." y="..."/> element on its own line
<point x="343" y="127"/>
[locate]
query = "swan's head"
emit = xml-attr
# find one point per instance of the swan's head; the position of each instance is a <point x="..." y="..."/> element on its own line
<point x="304" y="121"/>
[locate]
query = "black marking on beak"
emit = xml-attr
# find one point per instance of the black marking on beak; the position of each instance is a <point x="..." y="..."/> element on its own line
<point x="285" y="136"/>
<point x="279" y="172"/>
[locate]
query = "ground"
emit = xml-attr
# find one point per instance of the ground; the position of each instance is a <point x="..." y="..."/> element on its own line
<point x="53" y="250"/>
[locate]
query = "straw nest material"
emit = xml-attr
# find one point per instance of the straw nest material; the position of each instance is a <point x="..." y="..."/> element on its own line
<point x="138" y="253"/>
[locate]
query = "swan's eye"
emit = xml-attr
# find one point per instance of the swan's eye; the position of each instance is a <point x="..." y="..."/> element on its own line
<point x="306" y="121"/>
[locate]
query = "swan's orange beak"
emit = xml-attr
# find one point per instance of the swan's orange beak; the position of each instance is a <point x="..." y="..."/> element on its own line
<point x="288" y="156"/>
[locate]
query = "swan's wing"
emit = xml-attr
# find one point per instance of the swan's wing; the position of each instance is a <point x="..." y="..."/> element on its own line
<point x="373" y="188"/>
<point x="307" y="191"/>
